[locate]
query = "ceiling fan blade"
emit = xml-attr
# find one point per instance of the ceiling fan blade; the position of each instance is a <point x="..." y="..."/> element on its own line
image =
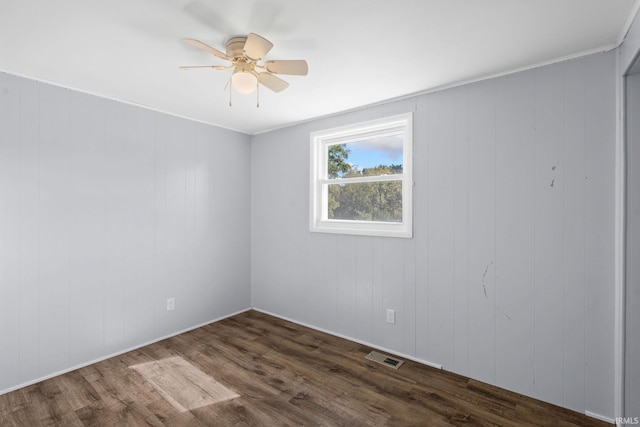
<point x="292" y="67"/>
<point x="207" y="48"/>
<point x="256" y="47"/>
<point x="215" y="67"/>
<point x="274" y="83"/>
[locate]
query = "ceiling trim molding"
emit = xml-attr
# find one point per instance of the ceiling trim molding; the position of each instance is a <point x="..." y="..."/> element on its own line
<point x="122" y="101"/>
<point x="627" y="25"/>
<point x="459" y="83"/>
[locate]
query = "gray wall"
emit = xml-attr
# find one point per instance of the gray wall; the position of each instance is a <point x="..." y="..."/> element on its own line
<point x="632" y="356"/>
<point x="106" y="210"/>
<point x="510" y="276"/>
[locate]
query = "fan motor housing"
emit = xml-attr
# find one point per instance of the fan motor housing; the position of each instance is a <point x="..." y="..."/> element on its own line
<point x="235" y="46"/>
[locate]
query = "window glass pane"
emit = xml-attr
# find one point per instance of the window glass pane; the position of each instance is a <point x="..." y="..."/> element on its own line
<point x="367" y="201"/>
<point x="361" y="178"/>
<point x="375" y="156"/>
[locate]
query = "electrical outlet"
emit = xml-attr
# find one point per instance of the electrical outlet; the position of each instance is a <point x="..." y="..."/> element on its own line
<point x="171" y="304"/>
<point x="391" y="316"/>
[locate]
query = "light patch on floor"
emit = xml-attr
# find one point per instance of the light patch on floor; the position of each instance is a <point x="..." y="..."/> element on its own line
<point x="183" y="385"/>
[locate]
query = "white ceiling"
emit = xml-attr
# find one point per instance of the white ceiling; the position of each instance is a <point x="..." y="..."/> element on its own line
<point x="359" y="52"/>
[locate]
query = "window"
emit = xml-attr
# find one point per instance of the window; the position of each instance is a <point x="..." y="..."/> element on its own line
<point x="361" y="180"/>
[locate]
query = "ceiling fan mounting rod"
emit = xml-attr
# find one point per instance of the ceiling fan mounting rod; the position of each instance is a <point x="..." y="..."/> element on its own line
<point x="235" y="46"/>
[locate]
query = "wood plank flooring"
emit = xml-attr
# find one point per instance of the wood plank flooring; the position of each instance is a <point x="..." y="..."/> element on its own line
<point x="285" y="375"/>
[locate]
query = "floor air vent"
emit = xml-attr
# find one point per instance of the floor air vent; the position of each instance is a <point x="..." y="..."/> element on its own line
<point x="385" y="360"/>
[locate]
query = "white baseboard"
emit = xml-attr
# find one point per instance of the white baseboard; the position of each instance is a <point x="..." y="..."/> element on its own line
<point x="368" y="344"/>
<point x="600" y="417"/>
<point x="91" y="362"/>
<point x="393" y="352"/>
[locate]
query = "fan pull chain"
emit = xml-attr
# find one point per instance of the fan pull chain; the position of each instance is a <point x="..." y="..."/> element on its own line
<point x="230" y="90"/>
<point x="257" y="95"/>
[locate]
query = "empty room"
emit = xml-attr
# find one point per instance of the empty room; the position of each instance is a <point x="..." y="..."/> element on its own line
<point x="336" y="213"/>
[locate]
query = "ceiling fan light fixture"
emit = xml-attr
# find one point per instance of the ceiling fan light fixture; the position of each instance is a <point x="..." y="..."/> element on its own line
<point x="244" y="82"/>
<point x="245" y="55"/>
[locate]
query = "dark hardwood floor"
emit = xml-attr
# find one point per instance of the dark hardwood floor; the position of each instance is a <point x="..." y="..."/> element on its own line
<point x="284" y="374"/>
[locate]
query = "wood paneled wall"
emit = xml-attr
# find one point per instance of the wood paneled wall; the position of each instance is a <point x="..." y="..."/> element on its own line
<point x="509" y="278"/>
<point x="107" y="210"/>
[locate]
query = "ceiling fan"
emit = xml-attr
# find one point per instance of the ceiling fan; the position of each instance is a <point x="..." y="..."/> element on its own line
<point x="245" y="54"/>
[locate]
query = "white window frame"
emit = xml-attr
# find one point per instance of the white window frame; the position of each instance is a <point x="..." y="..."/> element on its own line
<point x="319" y="180"/>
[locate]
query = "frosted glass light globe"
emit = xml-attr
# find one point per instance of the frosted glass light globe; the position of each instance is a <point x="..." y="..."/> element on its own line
<point x="244" y="82"/>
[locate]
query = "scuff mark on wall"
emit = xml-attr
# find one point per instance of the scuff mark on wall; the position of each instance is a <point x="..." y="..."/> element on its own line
<point x="484" y="275"/>
<point x="505" y="314"/>
<point x="553" y="168"/>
